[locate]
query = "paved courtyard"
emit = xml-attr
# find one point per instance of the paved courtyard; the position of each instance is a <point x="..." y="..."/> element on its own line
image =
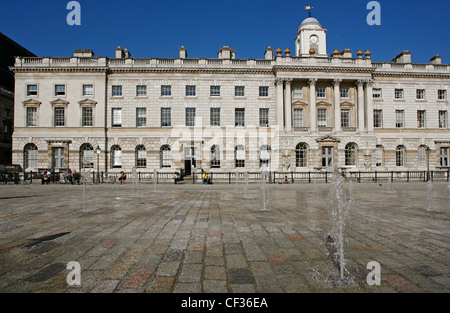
<point x="216" y="238"/>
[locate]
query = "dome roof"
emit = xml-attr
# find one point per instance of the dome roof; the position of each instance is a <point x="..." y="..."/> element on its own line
<point x="310" y="22"/>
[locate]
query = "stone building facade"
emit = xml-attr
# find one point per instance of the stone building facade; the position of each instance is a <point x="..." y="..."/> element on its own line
<point x="301" y="112"/>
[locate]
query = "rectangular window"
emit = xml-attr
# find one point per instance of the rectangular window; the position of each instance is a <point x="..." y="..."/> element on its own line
<point x="141" y="117"/>
<point x="442" y="119"/>
<point x="58" y="158"/>
<point x="442" y="94"/>
<point x="298" y="118"/>
<point x="191" y="91"/>
<point x="141" y="91"/>
<point x="298" y="92"/>
<point x="379" y="156"/>
<point x="88" y="90"/>
<point x="116" y="117"/>
<point x="322" y="118"/>
<point x="190" y="117"/>
<point x="166" y="119"/>
<point x="215" y="116"/>
<point x="377" y="118"/>
<point x="345" y="118"/>
<point x="141" y="158"/>
<point x="32" y="90"/>
<point x="444" y="157"/>
<point x="421" y="118"/>
<point x="239" y="117"/>
<point x="117" y="91"/>
<point x="166" y="91"/>
<point x="215" y="91"/>
<point x="86" y="116"/>
<point x="31" y="117"/>
<point x="321" y="92"/>
<point x="420" y="94"/>
<point x="399" y="118"/>
<point x="263" y="117"/>
<point x="263" y="91"/>
<point x="398" y="94"/>
<point x="239" y="91"/>
<point x="345" y="93"/>
<point x="60" y="90"/>
<point x="59" y="116"/>
<point x="32" y="158"/>
<point x="421" y="157"/>
<point x="166" y="158"/>
<point x="240" y="156"/>
<point x="377" y="94"/>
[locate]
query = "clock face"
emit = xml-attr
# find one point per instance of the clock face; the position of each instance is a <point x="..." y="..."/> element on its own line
<point x="314" y="39"/>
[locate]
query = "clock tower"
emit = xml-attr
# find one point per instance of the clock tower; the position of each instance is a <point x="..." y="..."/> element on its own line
<point x="311" y="35"/>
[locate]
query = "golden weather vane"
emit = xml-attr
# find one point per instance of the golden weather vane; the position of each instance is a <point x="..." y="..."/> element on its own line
<point x="308" y="7"/>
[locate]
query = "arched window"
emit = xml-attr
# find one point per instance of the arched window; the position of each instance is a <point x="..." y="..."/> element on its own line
<point x="400" y="156"/>
<point x="239" y="156"/>
<point x="215" y="157"/>
<point x="166" y="156"/>
<point x="379" y="155"/>
<point x="116" y="157"/>
<point x="422" y="156"/>
<point x="350" y="154"/>
<point x="264" y="156"/>
<point x="86" y="156"/>
<point x="141" y="157"/>
<point x="301" y="155"/>
<point x="30" y="154"/>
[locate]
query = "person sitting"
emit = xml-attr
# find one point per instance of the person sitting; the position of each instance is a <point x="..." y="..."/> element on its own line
<point x="75" y="177"/>
<point x="45" y="177"/>
<point x="122" y="178"/>
<point x="286" y="181"/>
<point x="68" y="176"/>
<point x="205" y="178"/>
<point x="176" y="178"/>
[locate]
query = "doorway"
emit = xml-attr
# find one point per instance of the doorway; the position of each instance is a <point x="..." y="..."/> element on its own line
<point x="190" y="160"/>
<point x="327" y="158"/>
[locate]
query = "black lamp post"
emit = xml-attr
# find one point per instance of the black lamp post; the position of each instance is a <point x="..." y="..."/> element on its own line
<point x="98" y="150"/>
<point x="428" y="163"/>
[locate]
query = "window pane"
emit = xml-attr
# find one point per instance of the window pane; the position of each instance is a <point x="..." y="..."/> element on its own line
<point x="165" y="117"/>
<point x="239" y="91"/>
<point x="32" y="90"/>
<point x="60" y="90"/>
<point x="117" y="91"/>
<point x="263" y="117"/>
<point x="239" y="117"/>
<point x="298" y="117"/>
<point x="215" y="116"/>
<point x="190" y="117"/>
<point x="31" y="117"/>
<point x="345" y="118"/>
<point x="88" y="90"/>
<point x="116" y="117"/>
<point x="166" y="91"/>
<point x="215" y="91"/>
<point x="87" y="116"/>
<point x="263" y="91"/>
<point x="141" y="91"/>
<point x="322" y="118"/>
<point x="190" y="91"/>
<point x="141" y="117"/>
<point x="59" y="116"/>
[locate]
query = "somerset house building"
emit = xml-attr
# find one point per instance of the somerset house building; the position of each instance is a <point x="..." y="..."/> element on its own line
<point x="292" y="111"/>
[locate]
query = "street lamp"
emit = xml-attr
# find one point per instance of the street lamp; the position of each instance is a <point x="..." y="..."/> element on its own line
<point x="428" y="163"/>
<point x="98" y="150"/>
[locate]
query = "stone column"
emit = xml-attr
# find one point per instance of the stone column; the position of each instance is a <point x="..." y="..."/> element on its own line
<point x="337" y="105"/>
<point x="360" y="85"/>
<point x="369" y="101"/>
<point x="288" y="105"/>
<point x="312" y="104"/>
<point x="280" y="104"/>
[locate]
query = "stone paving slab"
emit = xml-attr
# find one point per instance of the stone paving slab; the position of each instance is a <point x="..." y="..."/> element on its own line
<point x="210" y="239"/>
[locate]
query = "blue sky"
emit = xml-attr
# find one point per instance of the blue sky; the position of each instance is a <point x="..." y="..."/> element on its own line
<point x="156" y="29"/>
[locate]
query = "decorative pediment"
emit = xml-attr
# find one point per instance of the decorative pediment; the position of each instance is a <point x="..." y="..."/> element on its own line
<point x="59" y="102"/>
<point x="31" y="102"/>
<point x="299" y="102"/>
<point x="328" y="138"/>
<point x="87" y="102"/>
<point x="323" y="103"/>
<point x="347" y="103"/>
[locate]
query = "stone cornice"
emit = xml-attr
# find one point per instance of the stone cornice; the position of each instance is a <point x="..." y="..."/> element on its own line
<point x="59" y="69"/>
<point x="411" y="75"/>
<point x="323" y="69"/>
